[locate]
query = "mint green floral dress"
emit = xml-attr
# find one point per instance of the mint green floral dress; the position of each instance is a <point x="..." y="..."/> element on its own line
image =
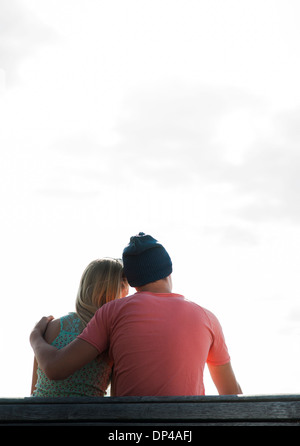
<point x="92" y="380"/>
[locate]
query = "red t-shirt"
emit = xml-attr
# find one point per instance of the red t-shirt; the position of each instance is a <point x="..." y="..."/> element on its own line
<point x="159" y="344"/>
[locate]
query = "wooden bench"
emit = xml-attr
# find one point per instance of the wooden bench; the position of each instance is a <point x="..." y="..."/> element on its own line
<point x="264" y="410"/>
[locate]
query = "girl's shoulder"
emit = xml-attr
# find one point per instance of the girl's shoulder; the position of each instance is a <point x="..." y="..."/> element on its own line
<point x="70" y="324"/>
<point x="52" y="331"/>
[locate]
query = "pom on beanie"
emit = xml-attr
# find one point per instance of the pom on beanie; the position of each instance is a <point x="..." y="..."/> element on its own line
<point x="145" y="260"/>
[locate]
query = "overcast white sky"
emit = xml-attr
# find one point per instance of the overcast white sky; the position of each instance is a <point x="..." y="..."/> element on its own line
<point x="176" y="118"/>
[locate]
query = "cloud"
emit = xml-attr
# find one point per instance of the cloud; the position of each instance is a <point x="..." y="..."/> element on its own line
<point x="174" y="136"/>
<point x="165" y="139"/>
<point x="21" y="32"/>
<point x="268" y="179"/>
<point x="220" y="142"/>
<point x="169" y="131"/>
<point x="233" y="235"/>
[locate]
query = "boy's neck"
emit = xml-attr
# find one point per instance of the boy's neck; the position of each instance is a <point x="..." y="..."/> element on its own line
<point x="163" y="286"/>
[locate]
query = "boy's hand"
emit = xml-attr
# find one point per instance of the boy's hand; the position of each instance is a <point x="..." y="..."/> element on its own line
<point x="40" y="327"/>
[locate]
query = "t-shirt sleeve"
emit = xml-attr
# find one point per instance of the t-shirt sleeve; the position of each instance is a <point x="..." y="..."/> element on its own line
<point x="218" y="352"/>
<point x="96" y="333"/>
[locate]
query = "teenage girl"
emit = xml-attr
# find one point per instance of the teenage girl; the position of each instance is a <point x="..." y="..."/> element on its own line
<point x="102" y="281"/>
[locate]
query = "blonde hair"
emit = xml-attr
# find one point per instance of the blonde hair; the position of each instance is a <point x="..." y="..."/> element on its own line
<point x="102" y="281"/>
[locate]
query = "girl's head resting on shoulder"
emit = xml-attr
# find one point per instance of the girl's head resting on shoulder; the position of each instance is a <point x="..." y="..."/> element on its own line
<point x="102" y="281"/>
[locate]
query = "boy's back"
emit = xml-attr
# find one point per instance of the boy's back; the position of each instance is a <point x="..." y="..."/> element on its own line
<point x="159" y="344"/>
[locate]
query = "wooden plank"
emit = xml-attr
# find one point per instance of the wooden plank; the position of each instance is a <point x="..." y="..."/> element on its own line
<point x="233" y="410"/>
<point x="149" y="399"/>
<point x="154" y="411"/>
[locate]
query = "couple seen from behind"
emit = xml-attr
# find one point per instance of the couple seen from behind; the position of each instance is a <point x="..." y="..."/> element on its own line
<point x="151" y="343"/>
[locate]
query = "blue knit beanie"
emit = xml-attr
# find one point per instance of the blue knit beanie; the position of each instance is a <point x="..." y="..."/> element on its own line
<point x="145" y="260"/>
